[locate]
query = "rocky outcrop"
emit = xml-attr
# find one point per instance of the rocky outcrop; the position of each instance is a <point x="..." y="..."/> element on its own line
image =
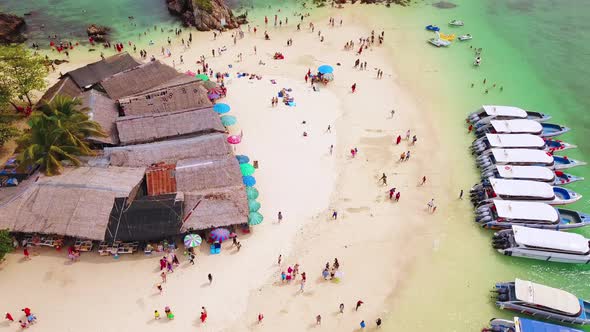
<point x="11" y="29"/>
<point x="205" y="15"/>
<point x="97" y="32"/>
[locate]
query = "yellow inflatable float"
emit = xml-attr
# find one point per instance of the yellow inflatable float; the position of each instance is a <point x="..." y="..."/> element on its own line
<point x="447" y="37"/>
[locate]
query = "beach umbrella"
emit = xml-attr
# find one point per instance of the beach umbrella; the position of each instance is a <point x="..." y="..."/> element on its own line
<point x="202" y="77"/>
<point x="192" y="240"/>
<point x="249" y="180"/>
<point x="219" y="234"/>
<point x="254" y="218"/>
<point x="253" y="205"/>
<point x="209" y="85"/>
<point x="234" y="139"/>
<point x="228" y="120"/>
<point x="213" y="96"/>
<point x="221" y="108"/>
<point x="329" y="77"/>
<point x="242" y="159"/>
<point x="325" y="69"/>
<point x="252" y="193"/>
<point x="246" y="169"/>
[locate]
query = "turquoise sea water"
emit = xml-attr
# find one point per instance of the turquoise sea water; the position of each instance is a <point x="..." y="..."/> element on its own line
<point x="536" y="49"/>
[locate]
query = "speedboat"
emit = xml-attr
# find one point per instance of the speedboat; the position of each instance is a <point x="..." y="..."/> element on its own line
<point x="565" y="162"/>
<point x="457" y="23"/>
<point x="465" y="37"/>
<point x="520" y="126"/>
<point x="542" y="302"/>
<point x="514" y="157"/>
<point x="450" y="37"/>
<point x="439" y="42"/>
<point x="543" y="244"/>
<point x="521" y="190"/>
<point x="557" y="145"/>
<point x="534" y="173"/>
<point x="508" y="141"/>
<point x="519" y="324"/>
<point x="551" y="130"/>
<point x="431" y="27"/>
<point x="504" y="214"/>
<point x="498" y="112"/>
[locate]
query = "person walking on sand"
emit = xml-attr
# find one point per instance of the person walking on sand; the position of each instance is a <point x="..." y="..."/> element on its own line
<point x="331" y="148"/>
<point x="391" y="192"/>
<point x="260" y="318"/>
<point x="358" y="305"/>
<point x="280" y="259"/>
<point x="8" y="317"/>
<point x="461" y="194"/>
<point x="341" y="308"/>
<point x="210" y="278"/>
<point x="329" y="130"/>
<point x="302" y="285"/>
<point x="397" y="196"/>
<point x="402" y="157"/>
<point x="392" y="113"/>
<point x="353" y="87"/>
<point x="407" y="156"/>
<point x="398" y="139"/>
<point x="163" y="276"/>
<point x="423" y="180"/>
<point x="335" y="215"/>
<point x="26" y="253"/>
<point x="191" y="258"/>
<point x="378" y="322"/>
<point x="280" y="217"/>
<point x="363" y="325"/>
<point x="156" y="315"/>
<point x="408" y="135"/>
<point x="430" y="205"/>
<point x="318" y="320"/>
<point x="414" y="139"/>
<point x="160" y="289"/>
<point x="203" y="316"/>
<point x="383" y="179"/>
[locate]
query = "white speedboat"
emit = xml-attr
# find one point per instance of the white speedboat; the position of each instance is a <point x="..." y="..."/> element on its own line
<point x="533" y="173"/>
<point x="504" y="214"/>
<point x="457" y="23"/>
<point x="521" y="190"/>
<point x="517" y="126"/>
<point x="543" y="244"/>
<point x="517" y="141"/>
<point x="439" y="42"/>
<point x="499" y="112"/>
<point x="516" y="157"/>
<point x="465" y="37"/>
<point x="519" y="324"/>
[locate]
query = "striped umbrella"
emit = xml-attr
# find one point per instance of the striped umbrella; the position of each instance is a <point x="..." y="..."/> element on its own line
<point x="249" y="181"/>
<point x="252" y="193"/>
<point x="228" y="120"/>
<point x="253" y="205"/>
<point x="255" y="218"/>
<point x="192" y="240"/>
<point x="246" y="169"/>
<point x="202" y="77"/>
<point x="219" y="234"/>
<point x="242" y="159"/>
<point x="221" y="108"/>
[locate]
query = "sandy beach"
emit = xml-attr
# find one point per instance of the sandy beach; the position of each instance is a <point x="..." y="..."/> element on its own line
<point x="376" y="240"/>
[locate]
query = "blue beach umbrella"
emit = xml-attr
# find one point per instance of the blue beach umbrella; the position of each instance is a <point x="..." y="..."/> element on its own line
<point x="221" y="108"/>
<point x="252" y="193"/>
<point x="228" y="120"/>
<point x="219" y="234"/>
<point x="325" y="69"/>
<point x="242" y="159"/>
<point x="249" y="181"/>
<point x="253" y="205"/>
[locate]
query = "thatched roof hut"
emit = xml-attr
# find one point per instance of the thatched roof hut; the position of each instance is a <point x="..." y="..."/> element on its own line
<point x="181" y="93"/>
<point x="154" y="127"/>
<point x="206" y="173"/>
<point x="76" y="203"/>
<point x="65" y="87"/>
<point x="85" y="77"/>
<point x="104" y="111"/>
<point x="212" y="145"/>
<point x="138" y="79"/>
<point x="217" y="208"/>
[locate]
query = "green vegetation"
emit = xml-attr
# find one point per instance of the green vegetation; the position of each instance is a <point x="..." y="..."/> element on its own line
<point x="20" y="73"/>
<point x="204" y="5"/>
<point x="7" y="132"/>
<point x="58" y="133"/>
<point x="5" y="243"/>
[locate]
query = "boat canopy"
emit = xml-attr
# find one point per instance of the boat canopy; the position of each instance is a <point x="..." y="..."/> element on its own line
<point x="544" y="238"/>
<point x="511" y="111"/>
<point x="547" y="297"/>
<point x="522" y="156"/>
<point x="523" y="188"/>
<point x="525" y="172"/>
<point x="529" y="325"/>
<point x="515" y="141"/>
<point x="526" y="210"/>
<point x="521" y="126"/>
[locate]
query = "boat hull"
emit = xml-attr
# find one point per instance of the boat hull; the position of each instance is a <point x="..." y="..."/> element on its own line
<point x="545" y="256"/>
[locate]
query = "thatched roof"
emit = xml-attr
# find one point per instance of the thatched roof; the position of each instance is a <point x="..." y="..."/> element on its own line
<point x="95" y="72"/>
<point x="138" y="79"/>
<point x="65" y="87"/>
<point x="104" y="111"/>
<point x="212" y="145"/>
<point x="217" y="208"/>
<point x="206" y="173"/>
<point x="77" y="203"/>
<point x="179" y="94"/>
<point x="154" y="127"/>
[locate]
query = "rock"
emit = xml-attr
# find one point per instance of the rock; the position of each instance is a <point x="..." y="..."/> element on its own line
<point x="444" y="5"/>
<point x="205" y="15"/>
<point x="97" y="32"/>
<point x="11" y="29"/>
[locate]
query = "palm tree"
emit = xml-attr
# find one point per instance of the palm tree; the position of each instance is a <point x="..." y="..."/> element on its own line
<point x="58" y="132"/>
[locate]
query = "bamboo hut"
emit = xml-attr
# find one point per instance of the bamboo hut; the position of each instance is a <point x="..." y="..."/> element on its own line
<point x="76" y="203"/>
<point x="138" y="79"/>
<point x="160" y="126"/>
<point x="103" y="110"/>
<point x="65" y="87"/>
<point x="91" y="74"/>
<point x="181" y="93"/>
<point x="218" y="207"/>
<point x="208" y="146"/>
<point x="206" y="173"/>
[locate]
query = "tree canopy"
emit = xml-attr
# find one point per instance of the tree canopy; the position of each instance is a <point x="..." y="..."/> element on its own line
<point x="21" y="72"/>
<point x="5" y="243"/>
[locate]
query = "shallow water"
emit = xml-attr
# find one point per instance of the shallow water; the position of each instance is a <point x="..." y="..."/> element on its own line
<point x="535" y="49"/>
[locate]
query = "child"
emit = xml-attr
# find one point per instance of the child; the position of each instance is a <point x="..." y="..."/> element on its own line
<point x="156" y="315"/>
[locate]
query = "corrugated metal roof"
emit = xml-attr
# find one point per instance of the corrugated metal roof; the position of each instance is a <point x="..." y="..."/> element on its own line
<point x="161" y="179"/>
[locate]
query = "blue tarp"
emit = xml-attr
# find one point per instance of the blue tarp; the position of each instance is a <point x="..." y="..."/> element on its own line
<point x="528" y="325"/>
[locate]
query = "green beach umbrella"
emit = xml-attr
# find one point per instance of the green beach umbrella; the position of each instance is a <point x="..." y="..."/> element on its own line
<point x="247" y="169"/>
<point x="202" y="77"/>
<point x="253" y="205"/>
<point x="252" y="192"/>
<point x="228" y="120"/>
<point x="254" y="218"/>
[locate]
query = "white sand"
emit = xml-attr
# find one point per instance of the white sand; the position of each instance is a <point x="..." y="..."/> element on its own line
<point x="375" y="240"/>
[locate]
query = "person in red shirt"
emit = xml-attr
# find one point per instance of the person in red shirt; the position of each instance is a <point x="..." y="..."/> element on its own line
<point x="9" y="317"/>
<point x="260" y="318"/>
<point x="27" y="311"/>
<point x="358" y="305"/>
<point x="26" y="253"/>
<point x="353" y="87"/>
